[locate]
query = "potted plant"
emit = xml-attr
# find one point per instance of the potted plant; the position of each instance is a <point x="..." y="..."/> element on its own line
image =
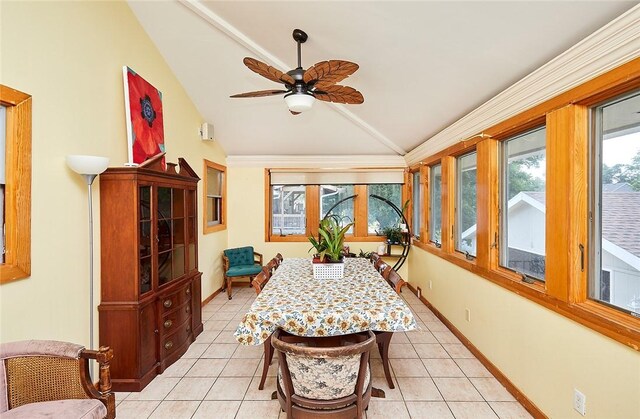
<point x="394" y="234"/>
<point x="329" y="244"/>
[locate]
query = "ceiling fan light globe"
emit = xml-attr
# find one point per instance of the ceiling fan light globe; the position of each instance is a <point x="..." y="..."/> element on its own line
<point x="299" y="102"/>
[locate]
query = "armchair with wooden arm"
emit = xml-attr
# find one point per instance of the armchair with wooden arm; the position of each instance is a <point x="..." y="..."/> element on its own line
<point x="43" y="378"/>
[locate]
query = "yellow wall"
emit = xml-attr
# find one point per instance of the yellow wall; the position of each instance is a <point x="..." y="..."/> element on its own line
<point x="69" y="57"/>
<point x="544" y="354"/>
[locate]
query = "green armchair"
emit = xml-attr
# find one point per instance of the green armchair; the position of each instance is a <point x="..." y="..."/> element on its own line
<point x="240" y="262"/>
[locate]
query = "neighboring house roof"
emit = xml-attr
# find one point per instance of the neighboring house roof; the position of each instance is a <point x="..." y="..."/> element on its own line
<point x="621" y="220"/>
<point x="617" y="187"/>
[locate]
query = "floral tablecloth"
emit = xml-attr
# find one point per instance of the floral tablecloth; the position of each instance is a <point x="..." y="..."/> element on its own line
<point x="299" y="304"/>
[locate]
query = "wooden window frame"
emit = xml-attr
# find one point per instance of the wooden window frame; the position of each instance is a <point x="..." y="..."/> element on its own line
<point x="360" y="213"/>
<point x="206" y="229"/>
<point x="18" y="187"/>
<point x="581" y="293"/>
<point x="422" y="230"/>
<point x="566" y="117"/>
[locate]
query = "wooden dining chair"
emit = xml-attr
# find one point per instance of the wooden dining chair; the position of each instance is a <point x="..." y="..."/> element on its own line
<point x="280" y="258"/>
<point x="395" y="280"/>
<point x="324" y="376"/>
<point x="382" y="265"/>
<point x="260" y="280"/>
<point x="374" y="257"/>
<point x="272" y="265"/>
<point x="385" y="270"/>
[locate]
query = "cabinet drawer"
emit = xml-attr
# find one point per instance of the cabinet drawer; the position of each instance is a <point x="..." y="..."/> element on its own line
<point x="173" y="319"/>
<point x="176" y="339"/>
<point x="170" y="301"/>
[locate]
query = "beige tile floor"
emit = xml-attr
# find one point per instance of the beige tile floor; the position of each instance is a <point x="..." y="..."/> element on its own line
<point x="435" y="375"/>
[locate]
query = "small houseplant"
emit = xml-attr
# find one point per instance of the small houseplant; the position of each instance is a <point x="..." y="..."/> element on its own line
<point x="394" y="234"/>
<point x="330" y="241"/>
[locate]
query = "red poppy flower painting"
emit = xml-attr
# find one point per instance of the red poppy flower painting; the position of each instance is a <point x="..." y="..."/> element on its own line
<point x="145" y="128"/>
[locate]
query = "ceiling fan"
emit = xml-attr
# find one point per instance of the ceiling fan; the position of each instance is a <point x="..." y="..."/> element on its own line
<point x="304" y="86"/>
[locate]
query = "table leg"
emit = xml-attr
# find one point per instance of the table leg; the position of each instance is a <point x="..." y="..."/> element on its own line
<point x="384" y="339"/>
<point x="268" y="356"/>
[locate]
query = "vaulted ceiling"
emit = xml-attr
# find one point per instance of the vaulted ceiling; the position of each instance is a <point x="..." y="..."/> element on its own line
<point x="423" y="65"/>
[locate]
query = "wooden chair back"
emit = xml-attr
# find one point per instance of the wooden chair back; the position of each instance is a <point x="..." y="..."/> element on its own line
<point x="382" y="265"/>
<point x="385" y="270"/>
<point x="272" y="265"/>
<point x="305" y="356"/>
<point x="261" y="280"/>
<point x="374" y="257"/>
<point x="377" y="264"/>
<point x="395" y="280"/>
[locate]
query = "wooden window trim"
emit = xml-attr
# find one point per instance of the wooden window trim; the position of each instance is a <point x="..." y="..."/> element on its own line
<point x="18" y="187"/>
<point x="565" y="288"/>
<point x="360" y="210"/>
<point x="223" y="212"/>
<point x="457" y="190"/>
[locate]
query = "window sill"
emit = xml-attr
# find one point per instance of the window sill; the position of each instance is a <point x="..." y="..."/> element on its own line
<point x="348" y="239"/>
<point x="618" y="326"/>
<point x="214" y="228"/>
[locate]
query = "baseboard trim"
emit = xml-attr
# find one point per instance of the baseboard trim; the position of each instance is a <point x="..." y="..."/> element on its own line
<point x="211" y="297"/>
<point x="511" y="388"/>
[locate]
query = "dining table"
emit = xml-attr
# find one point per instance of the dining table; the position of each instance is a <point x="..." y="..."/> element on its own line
<point x="294" y="301"/>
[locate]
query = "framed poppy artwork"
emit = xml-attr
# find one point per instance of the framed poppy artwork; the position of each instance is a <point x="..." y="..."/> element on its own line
<point x="145" y="128"/>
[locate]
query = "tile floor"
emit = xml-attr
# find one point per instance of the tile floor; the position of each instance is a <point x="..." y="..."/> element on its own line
<point x="435" y="375"/>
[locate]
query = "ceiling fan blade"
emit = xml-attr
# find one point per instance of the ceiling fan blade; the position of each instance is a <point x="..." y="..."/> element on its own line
<point x="267" y="71"/>
<point x="260" y="93"/>
<point x="327" y="73"/>
<point x="339" y="94"/>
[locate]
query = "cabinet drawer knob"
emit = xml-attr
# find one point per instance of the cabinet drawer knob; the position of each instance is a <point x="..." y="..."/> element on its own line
<point x="188" y="309"/>
<point x="168" y="345"/>
<point x="168" y="324"/>
<point x="188" y="329"/>
<point x="168" y="303"/>
<point x="188" y="291"/>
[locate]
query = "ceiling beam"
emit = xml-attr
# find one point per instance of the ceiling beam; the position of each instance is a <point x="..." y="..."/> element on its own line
<point x="236" y="35"/>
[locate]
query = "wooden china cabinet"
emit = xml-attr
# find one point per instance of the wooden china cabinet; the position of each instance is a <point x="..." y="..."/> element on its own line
<point x="150" y="309"/>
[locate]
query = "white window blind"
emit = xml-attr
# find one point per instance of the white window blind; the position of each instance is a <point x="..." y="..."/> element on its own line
<point x="336" y="177"/>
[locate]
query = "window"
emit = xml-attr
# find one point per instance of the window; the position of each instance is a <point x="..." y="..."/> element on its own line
<point x="417" y="205"/>
<point x="380" y="214"/>
<point x="435" y="205"/>
<point x="466" y="203"/>
<point x="17" y="189"/>
<point x="615" y="204"/>
<point x="330" y="195"/>
<point x="214" y="199"/>
<point x="288" y="210"/>
<point x="3" y="128"/>
<point x="523" y="203"/>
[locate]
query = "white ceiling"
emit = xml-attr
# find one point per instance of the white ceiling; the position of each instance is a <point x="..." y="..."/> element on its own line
<point x="423" y="65"/>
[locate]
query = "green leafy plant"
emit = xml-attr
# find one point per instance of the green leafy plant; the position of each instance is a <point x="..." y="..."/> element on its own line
<point x="394" y="234"/>
<point x="330" y="239"/>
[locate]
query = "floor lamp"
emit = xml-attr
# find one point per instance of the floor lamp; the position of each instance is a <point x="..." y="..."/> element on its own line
<point x="89" y="167"/>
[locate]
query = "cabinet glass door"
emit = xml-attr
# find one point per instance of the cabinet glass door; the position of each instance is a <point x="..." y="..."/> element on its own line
<point x="178" y="233"/>
<point x="192" y="229"/>
<point x="164" y="235"/>
<point x="144" y="233"/>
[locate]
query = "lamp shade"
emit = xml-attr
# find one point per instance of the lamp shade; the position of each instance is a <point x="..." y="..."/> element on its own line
<point x="87" y="165"/>
<point x="299" y="102"/>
